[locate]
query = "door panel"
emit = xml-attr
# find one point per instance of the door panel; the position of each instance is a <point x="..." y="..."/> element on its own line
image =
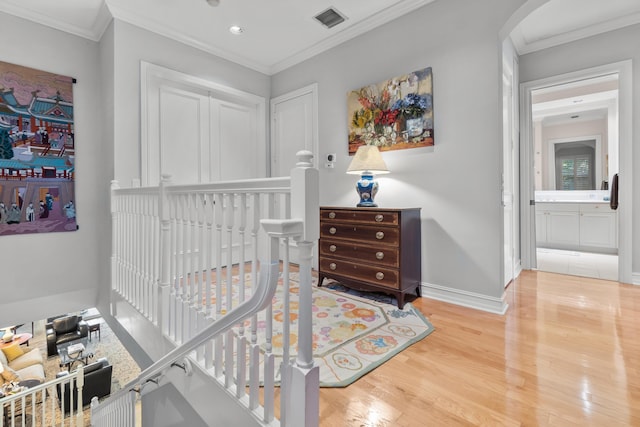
<point x="183" y="135"/>
<point x="294" y="128"/>
<point x="233" y="134"/>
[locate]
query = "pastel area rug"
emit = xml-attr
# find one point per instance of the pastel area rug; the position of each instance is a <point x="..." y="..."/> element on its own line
<point x="353" y="332"/>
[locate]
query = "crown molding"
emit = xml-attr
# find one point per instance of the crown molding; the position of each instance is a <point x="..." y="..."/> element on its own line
<point x="161" y="29"/>
<point x="102" y="20"/>
<point x="523" y="47"/>
<point x="390" y="13"/>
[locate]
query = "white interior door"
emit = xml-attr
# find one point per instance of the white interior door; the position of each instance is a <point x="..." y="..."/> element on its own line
<point x="293" y="128"/>
<point x="509" y="188"/>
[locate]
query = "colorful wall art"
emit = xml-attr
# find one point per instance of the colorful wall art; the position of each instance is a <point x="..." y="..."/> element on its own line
<point x="37" y="151"/>
<point x="394" y="115"/>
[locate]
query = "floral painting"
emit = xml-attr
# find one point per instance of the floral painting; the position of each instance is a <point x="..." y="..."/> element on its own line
<point x="37" y="151"/>
<point x="394" y="115"/>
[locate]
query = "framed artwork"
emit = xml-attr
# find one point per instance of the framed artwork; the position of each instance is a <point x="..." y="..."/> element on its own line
<point x="37" y="151"/>
<point x="394" y="115"/>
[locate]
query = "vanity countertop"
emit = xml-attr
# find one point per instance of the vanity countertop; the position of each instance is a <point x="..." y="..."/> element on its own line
<point x="584" y="196"/>
<point x="573" y="201"/>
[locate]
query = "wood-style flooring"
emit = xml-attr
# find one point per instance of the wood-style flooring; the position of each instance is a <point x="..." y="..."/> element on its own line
<point x="566" y="353"/>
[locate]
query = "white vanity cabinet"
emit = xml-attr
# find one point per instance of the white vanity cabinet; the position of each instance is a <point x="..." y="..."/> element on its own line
<point x="557" y="224"/>
<point x="578" y="226"/>
<point x="598" y="225"/>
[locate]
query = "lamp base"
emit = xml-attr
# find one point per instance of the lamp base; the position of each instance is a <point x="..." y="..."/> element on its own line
<point x="367" y="189"/>
<point x="367" y="205"/>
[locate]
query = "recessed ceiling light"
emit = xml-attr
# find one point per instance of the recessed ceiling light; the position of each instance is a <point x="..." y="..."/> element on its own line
<point x="236" y="29"/>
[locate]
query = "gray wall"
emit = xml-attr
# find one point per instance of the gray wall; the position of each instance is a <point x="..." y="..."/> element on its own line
<point x="594" y="51"/>
<point x="457" y="182"/>
<point x="54" y="273"/>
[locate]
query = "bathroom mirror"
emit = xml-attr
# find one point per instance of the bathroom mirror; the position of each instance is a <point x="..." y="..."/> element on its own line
<point x="576" y="135"/>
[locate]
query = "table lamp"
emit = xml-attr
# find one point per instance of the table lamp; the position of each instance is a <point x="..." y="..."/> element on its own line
<point x="367" y="162"/>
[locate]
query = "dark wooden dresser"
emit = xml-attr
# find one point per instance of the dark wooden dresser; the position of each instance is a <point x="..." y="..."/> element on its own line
<point x="371" y="249"/>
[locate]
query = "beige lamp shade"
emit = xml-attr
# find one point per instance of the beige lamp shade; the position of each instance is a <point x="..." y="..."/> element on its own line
<point x="367" y="159"/>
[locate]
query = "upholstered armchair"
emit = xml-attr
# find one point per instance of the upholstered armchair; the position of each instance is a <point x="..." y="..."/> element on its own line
<point x="65" y="329"/>
<point x="97" y="383"/>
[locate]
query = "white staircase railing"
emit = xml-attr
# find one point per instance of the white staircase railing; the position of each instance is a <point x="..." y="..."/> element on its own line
<point x="43" y="405"/>
<point x="188" y="258"/>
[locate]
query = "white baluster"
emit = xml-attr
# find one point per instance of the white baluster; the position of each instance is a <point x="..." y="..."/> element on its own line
<point x="229" y="219"/>
<point x="208" y="348"/>
<point x="286" y="332"/>
<point x="164" y="314"/>
<point x="219" y="219"/>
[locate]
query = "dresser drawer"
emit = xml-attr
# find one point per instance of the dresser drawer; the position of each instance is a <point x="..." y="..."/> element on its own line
<point x="374" y="275"/>
<point x="359" y="215"/>
<point x="381" y="255"/>
<point x="361" y="233"/>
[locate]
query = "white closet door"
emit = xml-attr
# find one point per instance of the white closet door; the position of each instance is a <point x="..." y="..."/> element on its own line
<point x="199" y="131"/>
<point x="236" y="151"/>
<point x="184" y="139"/>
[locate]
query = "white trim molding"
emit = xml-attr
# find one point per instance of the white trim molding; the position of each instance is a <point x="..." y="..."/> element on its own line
<point x="635" y="278"/>
<point x="465" y="298"/>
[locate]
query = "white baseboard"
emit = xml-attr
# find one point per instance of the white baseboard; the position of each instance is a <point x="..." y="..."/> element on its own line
<point x="465" y="298"/>
<point x="635" y="278"/>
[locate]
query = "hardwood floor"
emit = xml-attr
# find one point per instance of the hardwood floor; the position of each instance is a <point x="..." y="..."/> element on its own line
<point x="566" y="353"/>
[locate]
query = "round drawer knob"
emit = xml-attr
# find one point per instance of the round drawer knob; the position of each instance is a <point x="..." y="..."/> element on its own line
<point x="332" y="230"/>
<point x="379" y="275"/>
<point x="332" y="248"/>
<point x="333" y="266"/>
<point x="379" y="255"/>
<point x="379" y="235"/>
<point x="379" y="218"/>
<point x="332" y="215"/>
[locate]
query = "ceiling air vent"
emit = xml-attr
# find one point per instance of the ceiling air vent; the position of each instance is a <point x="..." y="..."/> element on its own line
<point x="330" y="18"/>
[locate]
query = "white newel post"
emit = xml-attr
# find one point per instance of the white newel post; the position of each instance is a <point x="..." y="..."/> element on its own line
<point x="165" y="256"/>
<point x="303" y="400"/>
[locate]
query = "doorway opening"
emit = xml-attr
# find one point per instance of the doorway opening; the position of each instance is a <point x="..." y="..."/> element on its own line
<point x="573" y="127"/>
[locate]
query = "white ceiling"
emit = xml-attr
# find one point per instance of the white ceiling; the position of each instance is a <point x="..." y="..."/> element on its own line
<point x="281" y="33"/>
<point x="278" y="33"/>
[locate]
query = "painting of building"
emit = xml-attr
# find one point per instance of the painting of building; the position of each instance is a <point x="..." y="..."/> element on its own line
<point x="37" y="151"/>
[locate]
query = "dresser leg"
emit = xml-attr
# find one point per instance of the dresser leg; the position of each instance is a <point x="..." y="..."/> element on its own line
<point x="320" y="280"/>
<point x="419" y="290"/>
<point x="400" y="297"/>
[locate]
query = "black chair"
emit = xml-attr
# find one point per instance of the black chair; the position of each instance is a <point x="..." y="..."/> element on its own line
<point x="97" y="382"/>
<point x="65" y="329"/>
